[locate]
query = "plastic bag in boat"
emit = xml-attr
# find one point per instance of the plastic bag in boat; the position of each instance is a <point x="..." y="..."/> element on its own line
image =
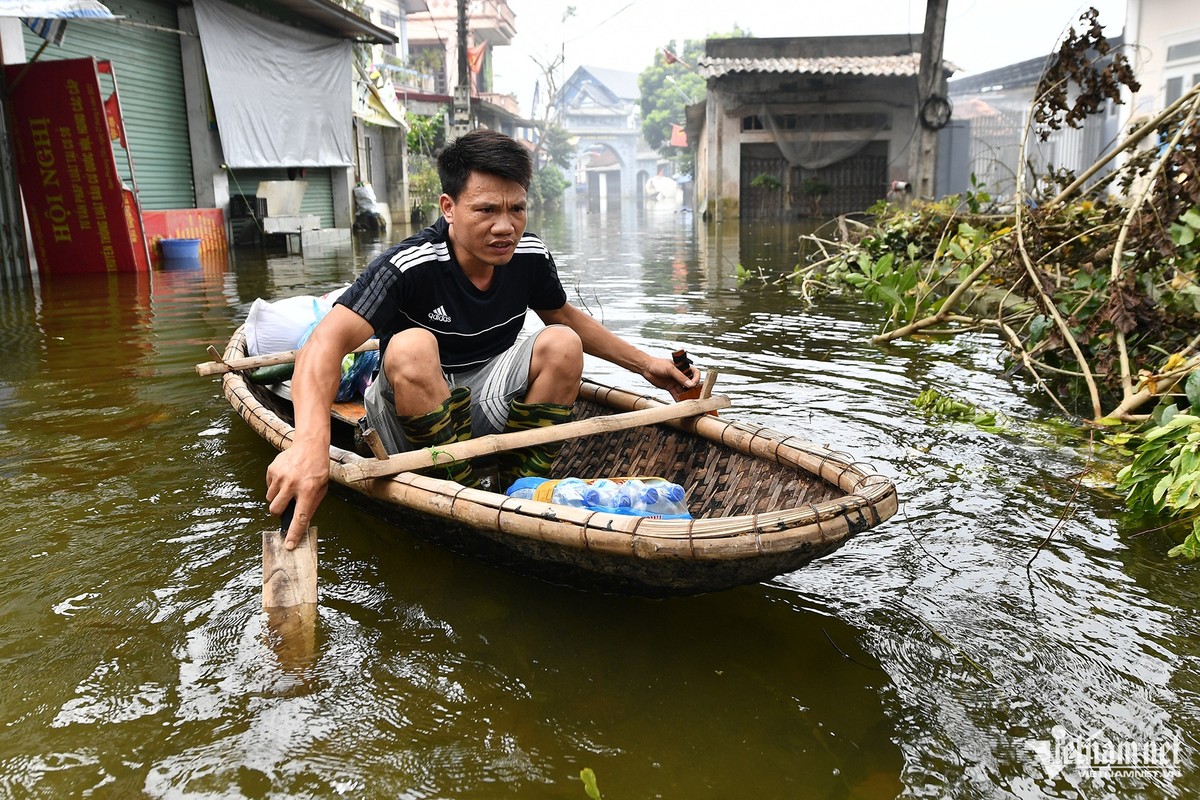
<point x="281" y="325"/>
<point x="358" y="369"/>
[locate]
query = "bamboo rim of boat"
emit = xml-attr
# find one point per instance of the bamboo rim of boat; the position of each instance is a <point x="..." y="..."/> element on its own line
<point x="869" y="499"/>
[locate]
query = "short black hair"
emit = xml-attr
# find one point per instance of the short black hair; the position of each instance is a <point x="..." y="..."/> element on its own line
<point x="486" y="151"/>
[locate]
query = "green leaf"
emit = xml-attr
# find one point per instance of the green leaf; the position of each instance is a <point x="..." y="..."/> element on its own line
<point x="1038" y="327"/>
<point x="1160" y="489"/>
<point x="1191" y="388"/>
<point x="1192" y="217"/>
<point x="1173" y="424"/>
<point x="1182" y="235"/>
<point x="589" y="783"/>
<point x="1189" y="548"/>
<point x="892" y="296"/>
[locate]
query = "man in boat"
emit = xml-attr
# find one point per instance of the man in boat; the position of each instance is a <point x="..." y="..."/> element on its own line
<point x="448" y="305"/>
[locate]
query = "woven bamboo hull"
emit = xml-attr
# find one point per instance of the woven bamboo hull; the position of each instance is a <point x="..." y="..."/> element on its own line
<point x="764" y="504"/>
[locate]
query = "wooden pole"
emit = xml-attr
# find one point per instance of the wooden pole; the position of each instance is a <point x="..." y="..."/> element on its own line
<point x="289" y="594"/>
<point x="496" y="442"/>
<point x="931" y="82"/>
<point x="289" y="576"/>
<point x="219" y="365"/>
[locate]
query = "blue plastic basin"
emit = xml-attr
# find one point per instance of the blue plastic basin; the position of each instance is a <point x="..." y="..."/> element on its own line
<point x="179" y="248"/>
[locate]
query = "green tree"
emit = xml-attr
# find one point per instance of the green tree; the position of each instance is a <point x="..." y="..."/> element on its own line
<point x="667" y="88"/>
<point x="554" y="153"/>
<point x="426" y="135"/>
<point x="556" y="145"/>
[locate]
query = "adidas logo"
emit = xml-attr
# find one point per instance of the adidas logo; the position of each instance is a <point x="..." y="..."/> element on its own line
<point x="439" y="314"/>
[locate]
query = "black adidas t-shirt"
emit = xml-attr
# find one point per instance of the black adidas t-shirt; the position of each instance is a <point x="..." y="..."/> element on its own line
<point x="418" y="284"/>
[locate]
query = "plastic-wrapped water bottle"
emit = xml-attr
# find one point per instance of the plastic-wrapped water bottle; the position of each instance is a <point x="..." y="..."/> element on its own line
<point x="604" y="493"/>
<point x="657" y="497"/>
<point x="634" y="491"/>
<point x="670" y="500"/>
<point x="569" y="492"/>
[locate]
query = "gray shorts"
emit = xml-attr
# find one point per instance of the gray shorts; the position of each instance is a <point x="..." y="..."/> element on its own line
<point x="493" y="386"/>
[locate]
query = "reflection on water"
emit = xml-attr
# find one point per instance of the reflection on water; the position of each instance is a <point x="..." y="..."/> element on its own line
<point x="923" y="659"/>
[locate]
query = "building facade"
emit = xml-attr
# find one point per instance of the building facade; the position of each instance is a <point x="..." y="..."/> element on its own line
<point x="1166" y="59"/>
<point x="804" y="127"/>
<point x="196" y="138"/>
<point x="601" y="109"/>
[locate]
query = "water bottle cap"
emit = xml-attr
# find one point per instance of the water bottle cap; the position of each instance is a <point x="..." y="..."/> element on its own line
<point x="650" y="496"/>
<point x="591" y="497"/>
<point x="674" y="492"/>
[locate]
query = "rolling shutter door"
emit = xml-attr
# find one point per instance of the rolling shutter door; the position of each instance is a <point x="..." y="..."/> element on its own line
<point x="150" y="78"/>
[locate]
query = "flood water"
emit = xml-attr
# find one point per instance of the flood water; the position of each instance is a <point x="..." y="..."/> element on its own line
<point x="924" y="659"/>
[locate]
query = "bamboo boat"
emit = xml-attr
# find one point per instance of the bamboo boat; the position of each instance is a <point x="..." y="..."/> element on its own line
<point x="763" y="503"/>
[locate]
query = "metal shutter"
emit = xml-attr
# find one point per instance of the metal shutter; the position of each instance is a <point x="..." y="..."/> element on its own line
<point x="150" y="78"/>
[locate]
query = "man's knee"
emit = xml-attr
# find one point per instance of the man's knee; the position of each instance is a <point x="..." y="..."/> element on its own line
<point x="412" y="356"/>
<point x="559" y="345"/>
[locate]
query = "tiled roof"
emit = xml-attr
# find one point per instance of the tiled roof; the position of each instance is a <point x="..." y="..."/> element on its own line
<point x="908" y="64"/>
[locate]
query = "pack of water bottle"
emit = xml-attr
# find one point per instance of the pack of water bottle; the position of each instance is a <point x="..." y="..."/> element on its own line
<point x="639" y="497"/>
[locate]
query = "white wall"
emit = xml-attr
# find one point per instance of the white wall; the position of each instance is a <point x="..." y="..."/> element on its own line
<point x="1152" y="26"/>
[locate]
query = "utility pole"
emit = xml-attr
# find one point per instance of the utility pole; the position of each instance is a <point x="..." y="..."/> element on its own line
<point x="462" y="88"/>
<point x="933" y="107"/>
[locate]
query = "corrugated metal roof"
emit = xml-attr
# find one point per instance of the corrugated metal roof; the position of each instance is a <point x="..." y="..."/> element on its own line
<point x="346" y="23"/>
<point x="905" y="65"/>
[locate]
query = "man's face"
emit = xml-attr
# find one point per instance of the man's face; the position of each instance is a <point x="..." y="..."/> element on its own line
<point x="486" y="221"/>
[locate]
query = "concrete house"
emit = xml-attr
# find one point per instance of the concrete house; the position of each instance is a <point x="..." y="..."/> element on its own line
<point x="1166" y="58"/>
<point x="217" y="98"/>
<point x="434" y="49"/>
<point x="802" y="127"/>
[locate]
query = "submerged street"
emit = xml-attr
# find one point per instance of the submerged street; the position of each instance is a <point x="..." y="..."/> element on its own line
<point x="942" y="654"/>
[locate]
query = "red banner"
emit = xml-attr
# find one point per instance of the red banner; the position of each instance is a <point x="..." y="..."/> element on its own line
<point x="116" y="131"/>
<point x="205" y="224"/>
<point x="82" y="217"/>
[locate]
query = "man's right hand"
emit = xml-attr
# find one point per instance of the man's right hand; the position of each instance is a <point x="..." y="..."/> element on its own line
<point x="300" y="473"/>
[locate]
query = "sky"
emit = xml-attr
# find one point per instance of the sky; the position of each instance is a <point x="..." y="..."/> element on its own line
<point x="625" y="34"/>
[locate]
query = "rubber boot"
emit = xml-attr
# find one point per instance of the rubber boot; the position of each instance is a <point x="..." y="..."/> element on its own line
<point x="535" y="461"/>
<point x="448" y="423"/>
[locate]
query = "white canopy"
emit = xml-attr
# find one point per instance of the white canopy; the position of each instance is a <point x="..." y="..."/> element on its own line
<point x="279" y="92"/>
